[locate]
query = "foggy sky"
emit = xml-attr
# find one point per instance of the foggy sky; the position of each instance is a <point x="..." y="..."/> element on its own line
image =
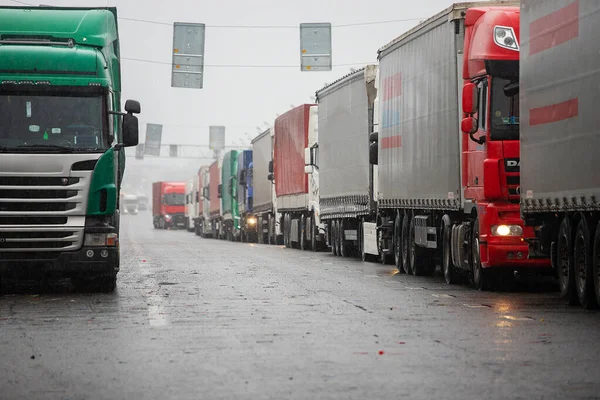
<point x="243" y="98"/>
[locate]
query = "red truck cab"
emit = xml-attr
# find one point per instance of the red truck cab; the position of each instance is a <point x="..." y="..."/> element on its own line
<point x="490" y="148"/>
<point x="168" y="204"/>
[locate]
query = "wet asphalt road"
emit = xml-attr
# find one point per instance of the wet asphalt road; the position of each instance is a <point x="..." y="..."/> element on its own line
<point x="197" y="318"/>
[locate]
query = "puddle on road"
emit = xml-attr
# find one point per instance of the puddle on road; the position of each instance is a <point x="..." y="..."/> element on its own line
<point x="513" y="318"/>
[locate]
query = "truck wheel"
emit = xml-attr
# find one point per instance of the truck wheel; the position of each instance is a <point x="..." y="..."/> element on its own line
<point x="340" y="240"/>
<point x="332" y="239"/>
<point x="398" y="243"/>
<point x="270" y="238"/>
<point x="406" y="243"/>
<point x="344" y="245"/>
<point x="287" y="229"/>
<point x="448" y="269"/>
<point x="564" y="259"/>
<point x="419" y="259"/>
<point x="482" y="277"/>
<point x="302" y="234"/>
<point x="361" y="242"/>
<point x="313" y="233"/>
<point x="260" y="235"/>
<point x="107" y="284"/>
<point x="334" y="230"/>
<point x="582" y="257"/>
<point x="596" y="263"/>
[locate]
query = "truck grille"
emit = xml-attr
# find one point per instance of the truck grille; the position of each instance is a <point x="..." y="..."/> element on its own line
<point x="179" y="218"/>
<point x="35" y="211"/>
<point x="513" y="182"/>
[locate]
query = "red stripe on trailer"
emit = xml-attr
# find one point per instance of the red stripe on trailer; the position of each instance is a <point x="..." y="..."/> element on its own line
<point x="554" y="29"/>
<point x="554" y="113"/>
<point x="391" y="142"/>
<point x="392" y="87"/>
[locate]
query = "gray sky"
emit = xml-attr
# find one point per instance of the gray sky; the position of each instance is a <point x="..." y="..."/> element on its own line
<point x="243" y="98"/>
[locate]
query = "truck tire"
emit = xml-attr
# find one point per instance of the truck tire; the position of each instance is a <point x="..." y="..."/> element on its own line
<point x="107" y="284"/>
<point x="286" y="231"/>
<point x="340" y="241"/>
<point x="104" y="283"/>
<point x="449" y="270"/>
<point x="582" y="257"/>
<point x="270" y="234"/>
<point x="405" y="239"/>
<point x="596" y="263"/>
<point x="334" y="237"/>
<point x="420" y="260"/>
<point x="398" y="243"/>
<point x="313" y="233"/>
<point x="482" y="277"/>
<point x="564" y="260"/>
<point x="344" y="246"/>
<point x="302" y="234"/>
<point x="385" y="259"/>
<point x="361" y="242"/>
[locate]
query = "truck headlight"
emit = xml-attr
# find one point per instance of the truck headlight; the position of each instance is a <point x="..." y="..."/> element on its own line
<point x="100" y="239"/>
<point x="167" y="217"/>
<point x="505" y="37"/>
<point x="507" y="230"/>
<point x="251" y="221"/>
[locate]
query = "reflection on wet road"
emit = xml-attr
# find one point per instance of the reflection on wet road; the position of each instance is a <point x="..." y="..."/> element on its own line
<point x="198" y="318"/>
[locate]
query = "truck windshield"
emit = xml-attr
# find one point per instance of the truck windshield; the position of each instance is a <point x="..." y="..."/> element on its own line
<point x="53" y="120"/>
<point x="504" y="112"/>
<point x="174" y="199"/>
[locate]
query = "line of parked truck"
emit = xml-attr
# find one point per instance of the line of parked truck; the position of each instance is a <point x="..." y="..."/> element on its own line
<point x="472" y="145"/>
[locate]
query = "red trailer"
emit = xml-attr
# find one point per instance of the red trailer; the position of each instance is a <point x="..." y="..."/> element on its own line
<point x="215" y="198"/>
<point x="297" y="189"/>
<point x="168" y="204"/>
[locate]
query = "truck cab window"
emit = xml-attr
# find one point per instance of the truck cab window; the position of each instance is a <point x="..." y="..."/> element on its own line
<point x="74" y="120"/>
<point x="505" y="112"/>
<point x="482" y="91"/>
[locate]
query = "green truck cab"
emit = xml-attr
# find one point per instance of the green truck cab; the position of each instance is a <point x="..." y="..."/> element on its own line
<point x="62" y="139"/>
<point x="230" y="213"/>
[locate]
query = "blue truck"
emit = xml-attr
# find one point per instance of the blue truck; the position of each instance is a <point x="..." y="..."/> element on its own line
<point x="248" y="221"/>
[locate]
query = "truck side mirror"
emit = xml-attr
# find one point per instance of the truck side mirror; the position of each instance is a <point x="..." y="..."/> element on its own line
<point x="271" y="166"/>
<point x="243" y="177"/>
<point x="271" y="177"/>
<point x="469" y="98"/>
<point x="373" y="153"/>
<point x="373" y="148"/>
<point x="131" y="135"/>
<point x="220" y="191"/>
<point x="307" y="160"/>
<point x="469" y="125"/>
<point x="198" y="197"/>
<point x="133" y="107"/>
<point x="206" y="191"/>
